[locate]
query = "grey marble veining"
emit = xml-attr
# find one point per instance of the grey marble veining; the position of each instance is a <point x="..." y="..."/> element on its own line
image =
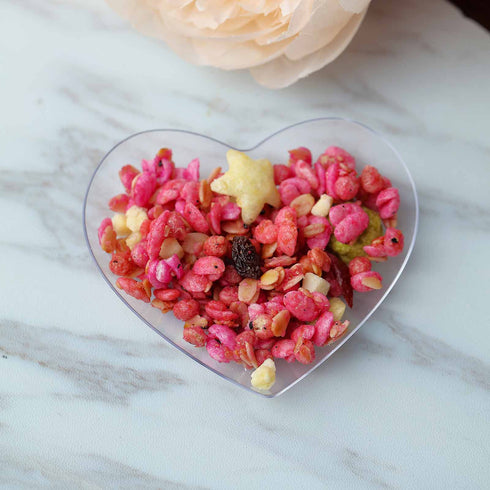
<point x="92" y="398"/>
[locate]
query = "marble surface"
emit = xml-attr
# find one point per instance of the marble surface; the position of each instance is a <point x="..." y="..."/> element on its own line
<point x="92" y="398"/>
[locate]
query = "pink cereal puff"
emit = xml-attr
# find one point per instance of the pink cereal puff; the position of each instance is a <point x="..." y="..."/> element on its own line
<point x="371" y="180"/>
<point x="300" y="153"/>
<point x="217" y="351"/>
<point x="220" y="313"/>
<point x="346" y="187"/>
<point x="215" y="245"/>
<point x="209" y="265"/>
<point x="156" y="235"/>
<point x="285" y="214"/>
<point x="180" y="206"/>
<point x="261" y="355"/>
<point x="178" y="173"/>
<point x="194" y="283"/>
<point x="282" y="172"/>
<point x="302" y="185"/>
<point x="301" y="306"/>
<point x="322" y="328"/>
<point x="376" y="248"/>
<point x="287" y="236"/>
<point x="163" y="272"/>
<point x="195" y="335"/>
<point x="166" y="294"/>
<point x="224" y="334"/>
<point x="351" y="227"/>
<point x="321" y="176"/>
<point x="265" y="232"/>
<point x="335" y="154"/>
<point x="321" y="240"/>
<point x="139" y="254"/>
<point x="265" y="343"/>
<point x="288" y="193"/>
<point x="195" y="218"/>
<point x="119" y="203"/>
<point x="133" y="288"/>
<point x="230" y="211"/>
<point x="262" y="326"/>
<point x="107" y="236"/>
<point x="192" y="171"/>
<point x="165" y="196"/>
<point x="388" y="202"/>
<point x="393" y="242"/>
<point x="283" y="348"/>
<point x="175" y="265"/>
<point x="340" y="211"/>
<point x="127" y="174"/>
<point x="186" y="309"/>
<point x="331" y="176"/>
<point x="151" y="272"/>
<point x="254" y="310"/>
<point x="304" y="171"/>
<point x="214" y="217"/>
<point x="228" y="295"/>
<point x="143" y="188"/>
<point x="357" y="281"/>
<point x="305" y="331"/>
<point x="190" y="192"/>
<point x="302" y="221"/>
<point x="304" y="351"/>
<point x="321" y="300"/>
<point x="359" y="264"/>
<point x="106" y="222"/>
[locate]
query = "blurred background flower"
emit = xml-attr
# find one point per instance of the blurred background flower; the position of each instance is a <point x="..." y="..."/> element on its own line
<point x="280" y="41"/>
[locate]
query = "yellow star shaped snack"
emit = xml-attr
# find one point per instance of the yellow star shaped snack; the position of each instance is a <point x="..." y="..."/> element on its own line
<point x="251" y="182"/>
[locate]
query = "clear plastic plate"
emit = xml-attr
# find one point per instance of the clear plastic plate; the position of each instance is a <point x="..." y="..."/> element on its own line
<point x="367" y="146"/>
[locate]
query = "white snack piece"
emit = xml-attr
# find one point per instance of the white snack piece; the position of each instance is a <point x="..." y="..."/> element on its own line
<point x="265" y="375"/>
<point x="314" y="283"/>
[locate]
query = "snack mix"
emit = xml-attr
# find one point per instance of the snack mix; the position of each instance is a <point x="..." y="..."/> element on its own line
<point x="253" y="260"/>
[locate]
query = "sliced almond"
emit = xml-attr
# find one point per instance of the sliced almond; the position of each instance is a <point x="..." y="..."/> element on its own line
<point x="234" y="227"/>
<point x="280" y="323"/>
<point x="371" y="282"/>
<point x="248" y="289"/>
<point x="303" y="204"/>
<point x="214" y="174"/>
<point x="313" y="230"/>
<point x="193" y="243"/>
<point x="269" y="277"/>
<point x="268" y="250"/>
<point x="205" y="194"/>
<point x="171" y="246"/>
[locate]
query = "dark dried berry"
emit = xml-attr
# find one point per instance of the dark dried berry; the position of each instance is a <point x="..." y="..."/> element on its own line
<point x="245" y="257"/>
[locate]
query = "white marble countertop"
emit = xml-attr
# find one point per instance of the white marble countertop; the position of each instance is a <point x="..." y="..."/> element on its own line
<point x="92" y="398"/>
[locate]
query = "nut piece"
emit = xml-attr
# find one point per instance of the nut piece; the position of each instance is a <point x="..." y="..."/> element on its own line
<point x="280" y="323"/>
<point x="313" y="230"/>
<point x="314" y="283"/>
<point x="322" y="206"/>
<point x="303" y="204"/>
<point x="337" y="308"/>
<point x="171" y="246"/>
<point x="269" y="277"/>
<point x="268" y="250"/>
<point x="248" y="290"/>
<point x="265" y="375"/>
<point x="372" y="282"/>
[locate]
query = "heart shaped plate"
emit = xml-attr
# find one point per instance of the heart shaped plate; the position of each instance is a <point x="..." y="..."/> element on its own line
<point x="367" y="146"/>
